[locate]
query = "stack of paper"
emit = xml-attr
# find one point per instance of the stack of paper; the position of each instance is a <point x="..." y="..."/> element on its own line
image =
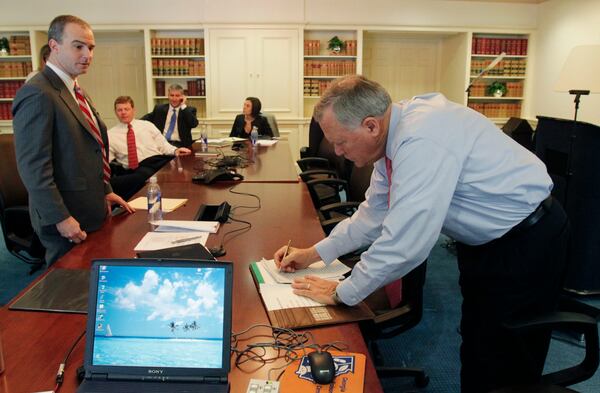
<point x="182" y="226"/>
<point x="266" y="142"/>
<point x="333" y="271"/>
<point x="275" y="288"/>
<point x="171" y="233"/>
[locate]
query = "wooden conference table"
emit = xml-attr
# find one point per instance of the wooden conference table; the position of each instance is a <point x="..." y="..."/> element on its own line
<point x="35" y="343"/>
<point x="271" y="164"/>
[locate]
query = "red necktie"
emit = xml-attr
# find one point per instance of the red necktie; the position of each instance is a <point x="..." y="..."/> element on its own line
<point x="131" y="148"/>
<point x="88" y="117"/>
<point x="393" y="290"/>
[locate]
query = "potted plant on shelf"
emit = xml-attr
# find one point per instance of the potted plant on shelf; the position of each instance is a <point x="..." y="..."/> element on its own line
<point x="4" y="47"/>
<point x="497" y="89"/>
<point x="336" y="45"/>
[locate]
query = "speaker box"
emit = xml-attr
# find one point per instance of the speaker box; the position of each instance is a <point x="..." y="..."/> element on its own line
<point x="570" y="152"/>
<point x="520" y="131"/>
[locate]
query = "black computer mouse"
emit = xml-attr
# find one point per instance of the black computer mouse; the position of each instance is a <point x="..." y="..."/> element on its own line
<point x="322" y="367"/>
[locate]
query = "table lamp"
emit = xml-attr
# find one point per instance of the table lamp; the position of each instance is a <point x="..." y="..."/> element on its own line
<point x="580" y="75"/>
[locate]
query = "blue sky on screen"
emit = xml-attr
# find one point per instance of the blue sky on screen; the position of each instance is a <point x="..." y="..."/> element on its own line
<point x="165" y="302"/>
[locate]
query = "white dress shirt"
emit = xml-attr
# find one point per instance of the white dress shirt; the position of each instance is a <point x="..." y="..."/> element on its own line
<point x="453" y="171"/>
<point x="148" y="142"/>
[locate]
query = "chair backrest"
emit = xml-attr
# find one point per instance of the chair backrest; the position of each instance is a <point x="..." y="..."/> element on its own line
<point x="14" y="215"/>
<point x="12" y="190"/>
<point x="272" y="123"/>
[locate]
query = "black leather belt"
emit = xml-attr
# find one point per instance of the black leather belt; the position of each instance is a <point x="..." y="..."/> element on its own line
<point x="534" y="217"/>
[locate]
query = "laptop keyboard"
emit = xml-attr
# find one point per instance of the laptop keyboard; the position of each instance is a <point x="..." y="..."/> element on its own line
<point x="90" y="386"/>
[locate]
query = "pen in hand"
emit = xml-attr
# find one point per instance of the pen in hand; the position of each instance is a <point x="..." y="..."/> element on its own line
<point x="287" y="250"/>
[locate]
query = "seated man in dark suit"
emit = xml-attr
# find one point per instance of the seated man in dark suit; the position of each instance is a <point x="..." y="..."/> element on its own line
<point x="250" y="117"/>
<point x="175" y="119"/>
<point x="137" y="149"/>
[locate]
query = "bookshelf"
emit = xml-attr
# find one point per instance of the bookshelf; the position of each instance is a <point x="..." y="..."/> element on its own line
<point x="177" y="57"/>
<point x="322" y="65"/>
<point x="510" y="71"/>
<point x="14" y="68"/>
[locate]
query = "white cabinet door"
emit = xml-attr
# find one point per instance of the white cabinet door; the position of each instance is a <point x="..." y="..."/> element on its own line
<point x="277" y="76"/>
<point x="254" y="62"/>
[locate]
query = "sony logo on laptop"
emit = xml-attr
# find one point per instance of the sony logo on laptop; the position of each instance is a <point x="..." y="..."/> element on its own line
<point x="155" y="371"/>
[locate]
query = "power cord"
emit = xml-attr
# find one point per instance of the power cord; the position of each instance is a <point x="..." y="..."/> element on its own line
<point x="61" y="368"/>
<point x="232" y="234"/>
<point x="286" y="342"/>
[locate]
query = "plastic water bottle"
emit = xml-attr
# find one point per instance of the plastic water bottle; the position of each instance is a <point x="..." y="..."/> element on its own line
<point x="254" y="136"/>
<point x="204" y="138"/>
<point x="154" y="201"/>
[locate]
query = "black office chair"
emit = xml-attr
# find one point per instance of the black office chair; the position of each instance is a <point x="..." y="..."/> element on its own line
<point x="572" y="317"/>
<point x="320" y="154"/>
<point x="19" y="237"/>
<point x="389" y="322"/>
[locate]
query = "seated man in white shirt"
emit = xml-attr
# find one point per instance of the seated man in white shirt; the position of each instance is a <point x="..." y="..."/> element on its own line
<point x="137" y="149"/>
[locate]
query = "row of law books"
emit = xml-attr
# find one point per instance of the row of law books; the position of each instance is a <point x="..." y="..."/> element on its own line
<point x="177" y="46"/>
<point x="8" y="89"/>
<point x="313" y="48"/>
<point x="14" y="69"/>
<point x="5" y="112"/>
<point x="195" y="87"/>
<point x="508" y="67"/>
<point x="513" y="89"/>
<point x="495" y="46"/>
<point x="329" y="67"/>
<point x="174" y="67"/>
<point x="19" y="45"/>
<point x="497" y="110"/>
<point x="315" y="87"/>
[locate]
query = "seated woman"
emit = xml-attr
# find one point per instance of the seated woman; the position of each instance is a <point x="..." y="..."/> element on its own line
<point x="250" y="117"/>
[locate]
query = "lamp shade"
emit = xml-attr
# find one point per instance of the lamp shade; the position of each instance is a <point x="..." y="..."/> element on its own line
<point x="581" y="70"/>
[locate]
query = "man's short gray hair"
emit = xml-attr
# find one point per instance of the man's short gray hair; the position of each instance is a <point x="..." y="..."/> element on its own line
<point x="176" y="87"/>
<point x="352" y="98"/>
<point x="57" y="26"/>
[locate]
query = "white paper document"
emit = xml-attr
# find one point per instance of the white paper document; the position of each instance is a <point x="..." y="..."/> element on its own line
<point x="280" y="296"/>
<point x="159" y="240"/>
<point x="186" y="226"/>
<point x="266" y="142"/>
<point x="333" y="271"/>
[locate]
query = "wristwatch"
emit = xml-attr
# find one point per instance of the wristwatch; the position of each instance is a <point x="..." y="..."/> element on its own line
<point x="336" y="298"/>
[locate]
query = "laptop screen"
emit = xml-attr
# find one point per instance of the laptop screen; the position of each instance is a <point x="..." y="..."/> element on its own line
<point x="152" y="314"/>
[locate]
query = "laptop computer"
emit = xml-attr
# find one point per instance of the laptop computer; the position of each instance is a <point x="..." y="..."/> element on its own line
<point x="158" y="326"/>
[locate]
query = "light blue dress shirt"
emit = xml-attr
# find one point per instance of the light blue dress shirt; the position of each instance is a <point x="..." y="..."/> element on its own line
<point x="453" y="171"/>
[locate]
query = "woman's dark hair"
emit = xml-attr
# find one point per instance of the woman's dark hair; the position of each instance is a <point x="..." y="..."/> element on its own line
<point x="256" y="105"/>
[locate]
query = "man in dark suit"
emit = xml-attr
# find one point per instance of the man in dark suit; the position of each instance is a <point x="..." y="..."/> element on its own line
<point x="175" y="119"/>
<point x="61" y="143"/>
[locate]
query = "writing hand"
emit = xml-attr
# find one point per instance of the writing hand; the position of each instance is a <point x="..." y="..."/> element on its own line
<point x="296" y="258"/>
<point x="315" y="288"/>
<point x="69" y="228"/>
<point x="114" y="198"/>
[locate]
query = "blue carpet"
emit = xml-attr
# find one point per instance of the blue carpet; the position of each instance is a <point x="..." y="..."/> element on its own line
<point x="14" y="275"/>
<point x="434" y="343"/>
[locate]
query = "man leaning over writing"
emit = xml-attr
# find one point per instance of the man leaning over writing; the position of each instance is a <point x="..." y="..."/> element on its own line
<point x="442" y="167"/>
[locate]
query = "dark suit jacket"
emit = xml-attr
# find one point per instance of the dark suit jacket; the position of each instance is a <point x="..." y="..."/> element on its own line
<point x="237" y="130"/>
<point x="58" y="157"/>
<point x="186" y="120"/>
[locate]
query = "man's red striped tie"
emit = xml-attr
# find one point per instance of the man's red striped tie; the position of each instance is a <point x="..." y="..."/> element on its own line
<point x="88" y="117"/>
<point x="131" y="148"/>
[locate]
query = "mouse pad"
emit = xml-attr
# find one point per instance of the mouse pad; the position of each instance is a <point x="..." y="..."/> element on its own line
<point x="61" y="290"/>
<point x="349" y="375"/>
